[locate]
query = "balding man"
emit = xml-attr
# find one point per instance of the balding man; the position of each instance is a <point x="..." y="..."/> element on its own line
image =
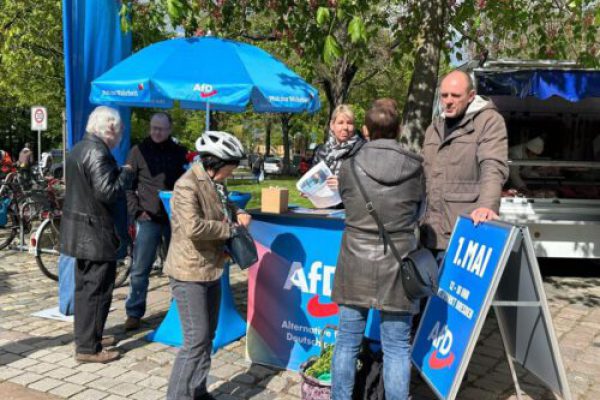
<point x="465" y="160"/>
<point x="157" y="163"/>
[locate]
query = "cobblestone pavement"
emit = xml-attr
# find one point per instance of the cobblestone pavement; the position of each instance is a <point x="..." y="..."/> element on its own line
<point x="38" y="353"/>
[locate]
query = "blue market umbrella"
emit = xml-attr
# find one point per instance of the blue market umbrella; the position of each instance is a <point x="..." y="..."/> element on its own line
<point x="205" y="72"/>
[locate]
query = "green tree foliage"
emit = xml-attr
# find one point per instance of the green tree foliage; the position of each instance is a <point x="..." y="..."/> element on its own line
<point x="31" y="66"/>
<point x="530" y="29"/>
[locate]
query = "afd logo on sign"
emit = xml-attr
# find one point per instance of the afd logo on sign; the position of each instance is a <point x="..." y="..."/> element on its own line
<point x="441" y="340"/>
<point x="317" y="282"/>
<point x="205" y="90"/>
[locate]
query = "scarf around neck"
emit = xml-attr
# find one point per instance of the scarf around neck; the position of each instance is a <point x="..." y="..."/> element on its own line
<point x="336" y="152"/>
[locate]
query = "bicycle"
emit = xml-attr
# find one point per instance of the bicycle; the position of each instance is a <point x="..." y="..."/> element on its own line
<point x="124" y="265"/>
<point x="45" y="242"/>
<point x="9" y="223"/>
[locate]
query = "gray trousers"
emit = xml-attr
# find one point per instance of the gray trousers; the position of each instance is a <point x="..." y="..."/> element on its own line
<point x="198" y="306"/>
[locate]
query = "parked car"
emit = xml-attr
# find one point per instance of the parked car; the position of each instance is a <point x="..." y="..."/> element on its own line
<point x="273" y="165"/>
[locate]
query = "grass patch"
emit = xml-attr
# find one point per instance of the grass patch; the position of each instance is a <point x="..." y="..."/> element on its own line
<point x="289" y="182"/>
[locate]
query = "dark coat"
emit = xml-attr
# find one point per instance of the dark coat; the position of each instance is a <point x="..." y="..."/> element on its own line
<point x="393" y="178"/>
<point x="95" y="184"/>
<point x="463" y="171"/>
<point x="156" y="167"/>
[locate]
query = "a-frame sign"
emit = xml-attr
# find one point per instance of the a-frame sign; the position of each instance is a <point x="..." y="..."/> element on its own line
<point x="491" y="265"/>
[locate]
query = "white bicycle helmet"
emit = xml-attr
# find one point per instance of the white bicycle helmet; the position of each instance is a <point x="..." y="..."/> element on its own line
<point x="220" y="144"/>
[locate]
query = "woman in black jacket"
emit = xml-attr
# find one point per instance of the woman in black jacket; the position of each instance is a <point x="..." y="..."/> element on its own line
<point x="368" y="276"/>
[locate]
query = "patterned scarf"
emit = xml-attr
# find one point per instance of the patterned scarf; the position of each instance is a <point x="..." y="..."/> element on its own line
<point x="222" y="194"/>
<point x="336" y="152"/>
<point x="221" y="190"/>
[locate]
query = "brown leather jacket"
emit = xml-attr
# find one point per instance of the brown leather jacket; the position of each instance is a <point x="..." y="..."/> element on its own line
<point x="198" y="230"/>
<point x="464" y="171"/>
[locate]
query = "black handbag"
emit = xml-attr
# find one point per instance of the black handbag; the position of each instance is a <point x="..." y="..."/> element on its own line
<point x="241" y="247"/>
<point x="419" y="269"/>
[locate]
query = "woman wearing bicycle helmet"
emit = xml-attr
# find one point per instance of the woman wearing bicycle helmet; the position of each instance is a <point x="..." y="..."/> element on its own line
<point x="202" y="219"/>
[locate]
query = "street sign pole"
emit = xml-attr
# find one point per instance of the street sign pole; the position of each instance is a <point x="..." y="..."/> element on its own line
<point x="39" y="123"/>
<point x="39" y="146"/>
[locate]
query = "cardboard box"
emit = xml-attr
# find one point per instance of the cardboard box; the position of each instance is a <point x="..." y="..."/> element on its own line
<point x="274" y="200"/>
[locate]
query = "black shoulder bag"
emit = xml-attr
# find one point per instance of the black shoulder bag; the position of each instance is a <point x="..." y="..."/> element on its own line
<point x="419" y="269"/>
<point x="241" y="247"/>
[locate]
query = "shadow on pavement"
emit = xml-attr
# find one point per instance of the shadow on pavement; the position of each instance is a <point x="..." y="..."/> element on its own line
<point x="558" y="273"/>
<point x="247" y="384"/>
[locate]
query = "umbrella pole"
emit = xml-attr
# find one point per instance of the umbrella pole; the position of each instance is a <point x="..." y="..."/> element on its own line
<point x="207" y="116"/>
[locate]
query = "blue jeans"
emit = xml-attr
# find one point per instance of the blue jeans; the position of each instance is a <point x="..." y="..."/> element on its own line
<point x="395" y="335"/>
<point x="146" y="243"/>
<point x="198" y="305"/>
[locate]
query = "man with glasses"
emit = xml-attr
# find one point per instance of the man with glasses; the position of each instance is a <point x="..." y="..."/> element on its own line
<point x="157" y="163"/>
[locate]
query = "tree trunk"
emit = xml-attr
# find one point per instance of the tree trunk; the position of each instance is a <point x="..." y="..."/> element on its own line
<point x="269" y="123"/>
<point x="285" y="135"/>
<point x="418" y="109"/>
<point x="337" y="87"/>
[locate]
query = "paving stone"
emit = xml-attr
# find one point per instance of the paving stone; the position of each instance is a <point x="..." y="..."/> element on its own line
<point x="245" y="378"/>
<point x="131" y="377"/>
<point x="112" y="371"/>
<point x="274" y="383"/>
<point x="260" y="371"/>
<point x="7" y="372"/>
<point x="91" y="367"/>
<point x="26" y="378"/>
<point x="61" y="373"/>
<point x="8" y="358"/>
<point x="114" y="397"/>
<point x="41" y="367"/>
<point x="154" y="382"/>
<point x="90" y="394"/>
<point x="81" y="378"/>
<point x="225" y="371"/>
<point x="148" y="394"/>
<point x="17" y="348"/>
<point x="46" y="384"/>
<point x="165" y="372"/>
<point x="23" y="363"/>
<point x="262" y="395"/>
<point x="294" y="390"/>
<point x="124" y="389"/>
<point x="69" y="363"/>
<point x="162" y="358"/>
<point x="102" y="384"/>
<point x="55" y="357"/>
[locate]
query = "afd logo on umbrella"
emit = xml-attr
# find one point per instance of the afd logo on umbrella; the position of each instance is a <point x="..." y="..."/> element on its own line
<point x="441" y="339"/>
<point x="205" y="90"/>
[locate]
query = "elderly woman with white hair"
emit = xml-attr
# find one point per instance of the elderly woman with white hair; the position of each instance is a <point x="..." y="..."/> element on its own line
<point x="94" y="185"/>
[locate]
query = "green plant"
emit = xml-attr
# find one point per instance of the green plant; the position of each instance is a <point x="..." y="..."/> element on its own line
<point x="323" y="364"/>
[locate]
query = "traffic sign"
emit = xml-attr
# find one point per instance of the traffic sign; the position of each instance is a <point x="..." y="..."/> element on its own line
<point x="39" y="118"/>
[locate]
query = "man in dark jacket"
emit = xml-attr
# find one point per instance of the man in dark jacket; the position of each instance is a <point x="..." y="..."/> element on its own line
<point x="465" y="160"/>
<point x="157" y="163"/>
<point x="94" y="186"/>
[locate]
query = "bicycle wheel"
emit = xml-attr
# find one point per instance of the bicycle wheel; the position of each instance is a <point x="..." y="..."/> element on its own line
<point x="124" y="267"/>
<point x="47" y="247"/>
<point x="9" y="230"/>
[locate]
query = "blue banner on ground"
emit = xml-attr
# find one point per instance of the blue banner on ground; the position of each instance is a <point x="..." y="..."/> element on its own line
<point x="451" y="323"/>
<point x="93" y="42"/>
<point x="289" y="288"/>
